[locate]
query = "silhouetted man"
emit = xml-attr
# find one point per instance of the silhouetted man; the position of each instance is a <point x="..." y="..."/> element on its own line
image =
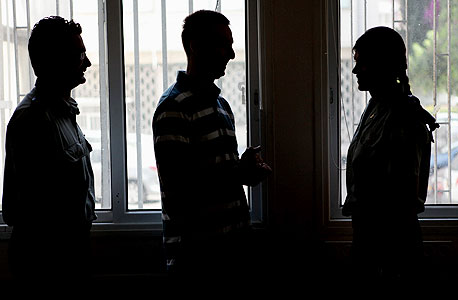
<point x="48" y="193"/>
<point x="205" y="212"/>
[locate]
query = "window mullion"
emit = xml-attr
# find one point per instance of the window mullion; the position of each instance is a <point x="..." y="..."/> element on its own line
<point x="16" y="53"/>
<point x="104" y="118"/>
<point x="115" y="59"/>
<point x="31" y="73"/>
<point x="435" y="95"/>
<point x="165" y="77"/>
<point x="138" y="108"/>
<point x="449" y="91"/>
<point x="254" y="104"/>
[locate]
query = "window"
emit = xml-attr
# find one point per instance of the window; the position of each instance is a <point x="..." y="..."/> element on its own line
<point x="17" y="77"/>
<point x="428" y="27"/>
<point x="135" y="49"/>
<point x="153" y="54"/>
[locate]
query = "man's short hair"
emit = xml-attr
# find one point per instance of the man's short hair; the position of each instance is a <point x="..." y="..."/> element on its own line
<point x="50" y="39"/>
<point x="198" y="26"/>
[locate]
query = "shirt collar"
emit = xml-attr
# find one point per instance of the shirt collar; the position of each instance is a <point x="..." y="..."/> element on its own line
<point x="59" y="103"/>
<point x="197" y="86"/>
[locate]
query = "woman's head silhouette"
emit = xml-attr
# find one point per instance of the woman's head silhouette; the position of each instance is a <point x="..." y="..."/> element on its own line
<point x="381" y="61"/>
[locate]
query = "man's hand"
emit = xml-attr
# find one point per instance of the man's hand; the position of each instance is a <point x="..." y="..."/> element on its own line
<point x="252" y="166"/>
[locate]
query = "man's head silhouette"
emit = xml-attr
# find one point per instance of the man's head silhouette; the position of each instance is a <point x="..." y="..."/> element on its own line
<point x="57" y="52"/>
<point x="207" y="40"/>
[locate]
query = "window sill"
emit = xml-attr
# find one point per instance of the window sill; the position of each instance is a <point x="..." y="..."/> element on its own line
<point x="151" y="229"/>
<point x="107" y="229"/>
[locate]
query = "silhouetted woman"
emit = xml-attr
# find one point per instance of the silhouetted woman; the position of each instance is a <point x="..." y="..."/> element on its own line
<point x="388" y="163"/>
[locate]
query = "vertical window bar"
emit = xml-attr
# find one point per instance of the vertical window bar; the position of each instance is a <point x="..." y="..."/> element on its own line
<point x="218" y="9"/>
<point x="365" y="28"/>
<point x="3" y="100"/>
<point x="138" y="128"/>
<point x="191" y="6"/>
<point x="8" y="50"/>
<point x="31" y="73"/>
<point x="254" y="65"/>
<point x="57" y="8"/>
<point x="393" y="12"/>
<point x="352" y="66"/>
<point x="2" y="83"/>
<point x="449" y="102"/>
<point x="104" y="119"/>
<point x="71" y="18"/>
<point x="16" y="61"/>
<point x="116" y="94"/>
<point x="435" y="95"/>
<point x="165" y="83"/>
<point x="406" y="20"/>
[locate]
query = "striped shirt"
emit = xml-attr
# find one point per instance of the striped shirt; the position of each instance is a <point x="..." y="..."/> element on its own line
<point x="197" y="160"/>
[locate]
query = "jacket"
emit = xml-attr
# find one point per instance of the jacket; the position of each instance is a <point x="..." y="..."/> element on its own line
<point x="48" y="177"/>
<point x="388" y="161"/>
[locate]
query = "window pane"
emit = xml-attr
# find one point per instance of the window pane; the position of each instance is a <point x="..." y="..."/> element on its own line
<point x="17" y="78"/>
<point x="151" y="64"/>
<point x="92" y="97"/>
<point x="427" y="27"/>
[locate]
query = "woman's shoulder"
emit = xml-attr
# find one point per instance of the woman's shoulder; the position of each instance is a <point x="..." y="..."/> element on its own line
<point x="410" y="120"/>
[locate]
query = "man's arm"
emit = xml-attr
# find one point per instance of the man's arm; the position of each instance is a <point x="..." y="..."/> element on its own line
<point x="32" y="175"/>
<point x="10" y="188"/>
<point x="174" y="160"/>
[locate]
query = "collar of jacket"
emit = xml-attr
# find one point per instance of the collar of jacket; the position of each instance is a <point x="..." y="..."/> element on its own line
<point x="198" y="87"/>
<point x="55" y="102"/>
<point x="410" y="106"/>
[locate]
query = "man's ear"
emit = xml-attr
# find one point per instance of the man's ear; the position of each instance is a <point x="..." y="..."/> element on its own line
<point x="194" y="47"/>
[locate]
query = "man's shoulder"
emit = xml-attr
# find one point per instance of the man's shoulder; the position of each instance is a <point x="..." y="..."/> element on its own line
<point x="175" y="98"/>
<point x="29" y="116"/>
<point x="222" y="101"/>
<point x="23" y="111"/>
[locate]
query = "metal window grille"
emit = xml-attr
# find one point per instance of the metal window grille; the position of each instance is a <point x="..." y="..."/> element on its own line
<point x="232" y="85"/>
<point x="17" y="19"/>
<point x="359" y="15"/>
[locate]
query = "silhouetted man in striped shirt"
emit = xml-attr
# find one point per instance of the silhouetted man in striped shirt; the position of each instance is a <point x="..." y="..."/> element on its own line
<point x="205" y="212"/>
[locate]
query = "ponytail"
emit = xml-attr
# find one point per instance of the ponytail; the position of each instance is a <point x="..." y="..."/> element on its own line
<point x="404" y="83"/>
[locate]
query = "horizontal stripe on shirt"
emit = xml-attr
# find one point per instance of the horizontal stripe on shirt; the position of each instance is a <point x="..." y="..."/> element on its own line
<point x="183" y="96"/>
<point x="222" y="111"/>
<point x="216" y="134"/>
<point x="226" y="157"/>
<point x="171" y="138"/>
<point x="203" y="113"/>
<point x="172" y="114"/>
<point x="172" y="239"/>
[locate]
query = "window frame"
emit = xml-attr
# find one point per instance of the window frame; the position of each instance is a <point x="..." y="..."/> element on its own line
<point x="119" y="217"/>
<point x="436" y="212"/>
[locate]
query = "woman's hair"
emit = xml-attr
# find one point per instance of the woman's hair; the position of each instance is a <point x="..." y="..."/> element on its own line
<point x="384" y="48"/>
